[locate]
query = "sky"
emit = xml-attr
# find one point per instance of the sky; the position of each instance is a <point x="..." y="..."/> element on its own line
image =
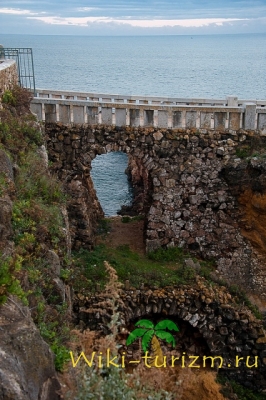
<point x="132" y="17"/>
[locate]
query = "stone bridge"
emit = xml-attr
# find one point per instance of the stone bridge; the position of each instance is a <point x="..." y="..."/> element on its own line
<point x="189" y="185"/>
<point x="189" y="182"/>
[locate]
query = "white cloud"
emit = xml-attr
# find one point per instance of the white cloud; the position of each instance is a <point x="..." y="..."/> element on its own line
<point x="138" y="23"/>
<point x="16" y="11"/>
<point x="81" y="9"/>
<point x="75" y="21"/>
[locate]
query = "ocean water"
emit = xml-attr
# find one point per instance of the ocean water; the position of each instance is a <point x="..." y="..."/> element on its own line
<point x="212" y="66"/>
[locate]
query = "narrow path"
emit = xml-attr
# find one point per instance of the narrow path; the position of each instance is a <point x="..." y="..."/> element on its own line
<point x="130" y="233"/>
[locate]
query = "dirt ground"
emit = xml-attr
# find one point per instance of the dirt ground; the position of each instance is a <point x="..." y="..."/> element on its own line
<point x="130" y="233"/>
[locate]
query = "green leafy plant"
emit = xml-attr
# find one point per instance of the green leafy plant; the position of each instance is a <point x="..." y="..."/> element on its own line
<point x="243" y="152"/>
<point x="61" y="352"/>
<point x="8" y="98"/>
<point x="9" y="283"/>
<point x="170" y="254"/>
<point x="148" y="332"/>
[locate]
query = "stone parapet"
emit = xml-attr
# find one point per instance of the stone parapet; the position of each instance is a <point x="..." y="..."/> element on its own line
<point x="143" y="111"/>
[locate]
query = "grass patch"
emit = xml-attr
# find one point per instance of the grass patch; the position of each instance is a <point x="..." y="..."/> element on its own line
<point x="171" y="254"/>
<point x="241" y="298"/>
<point x="129" y="265"/>
<point x="127" y="219"/>
<point x="243" y="152"/>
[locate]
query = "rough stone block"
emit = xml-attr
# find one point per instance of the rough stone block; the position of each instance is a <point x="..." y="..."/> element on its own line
<point x="177" y="119"/>
<point x="92" y="115"/>
<point x="36" y="109"/>
<point x="262" y="121"/>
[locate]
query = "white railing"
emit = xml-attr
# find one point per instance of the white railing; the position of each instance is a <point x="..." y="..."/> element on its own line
<point x="114" y="109"/>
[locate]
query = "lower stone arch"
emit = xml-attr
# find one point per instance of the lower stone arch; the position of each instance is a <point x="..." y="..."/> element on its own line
<point x="229" y="333"/>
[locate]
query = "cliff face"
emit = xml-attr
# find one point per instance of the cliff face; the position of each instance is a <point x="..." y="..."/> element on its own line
<point x="33" y="241"/>
<point x="27" y="369"/>
<point x="26" y="361"/>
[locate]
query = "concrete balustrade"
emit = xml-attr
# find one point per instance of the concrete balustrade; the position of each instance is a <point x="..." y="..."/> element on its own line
<point x="94" y="108"/>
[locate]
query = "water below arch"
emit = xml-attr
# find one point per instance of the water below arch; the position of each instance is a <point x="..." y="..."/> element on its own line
<point x="111" y="182"/>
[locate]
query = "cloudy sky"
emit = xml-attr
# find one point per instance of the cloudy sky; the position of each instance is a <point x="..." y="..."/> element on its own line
<point x="132" y="17"/>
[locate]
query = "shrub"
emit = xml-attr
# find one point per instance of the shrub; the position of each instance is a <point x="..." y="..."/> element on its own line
<point x="8" y="98"/>
<point x="9" y="284"/>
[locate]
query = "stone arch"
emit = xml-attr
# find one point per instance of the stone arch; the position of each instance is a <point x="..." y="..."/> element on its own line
<point x="229" y="331"/>
<point x="72" y="150"/>
<point x="188" y="202"/>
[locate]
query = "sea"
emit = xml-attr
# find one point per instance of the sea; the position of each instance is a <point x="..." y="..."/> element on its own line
<point x="211" y="66"/>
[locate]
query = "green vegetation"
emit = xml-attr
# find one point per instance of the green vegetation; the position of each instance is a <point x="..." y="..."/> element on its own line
<point x="166" y="255"/>
<point x="9" y="98"/>
<point x="255" y="148"/>
<point x="126" y="219"/>
<point x="37" y="224"/>
<point x="241" y="298"/>
<point x="114" y="383"/>
<point x="161" y="268"/>
<point x="243" y="152"/>
<point x="147" y="331"/>
<point x="104" y="226"/>
<point x="8" y="280"/>
<point x="136" y="268"/>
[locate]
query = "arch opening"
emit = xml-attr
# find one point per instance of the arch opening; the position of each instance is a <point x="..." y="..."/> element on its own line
<point x="114" y="189"/>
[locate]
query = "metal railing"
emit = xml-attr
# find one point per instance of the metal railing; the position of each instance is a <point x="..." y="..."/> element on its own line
<point x="25" y="65"/>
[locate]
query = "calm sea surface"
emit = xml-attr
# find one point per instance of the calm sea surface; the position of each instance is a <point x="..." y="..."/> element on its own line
<point x="175" y="66"/>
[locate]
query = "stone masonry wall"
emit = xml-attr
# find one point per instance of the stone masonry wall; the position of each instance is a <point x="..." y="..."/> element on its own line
<point x="192" y="203"/>
<point x="8" y="74"/>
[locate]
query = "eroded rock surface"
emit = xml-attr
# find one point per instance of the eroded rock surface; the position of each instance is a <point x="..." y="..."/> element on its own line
<point x="26" y="361"/>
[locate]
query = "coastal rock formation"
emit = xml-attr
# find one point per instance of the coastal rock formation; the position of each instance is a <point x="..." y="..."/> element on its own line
<point x="187" y="196"/>
<point x="26" y="361"/>
<point x="27" y="369"/>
